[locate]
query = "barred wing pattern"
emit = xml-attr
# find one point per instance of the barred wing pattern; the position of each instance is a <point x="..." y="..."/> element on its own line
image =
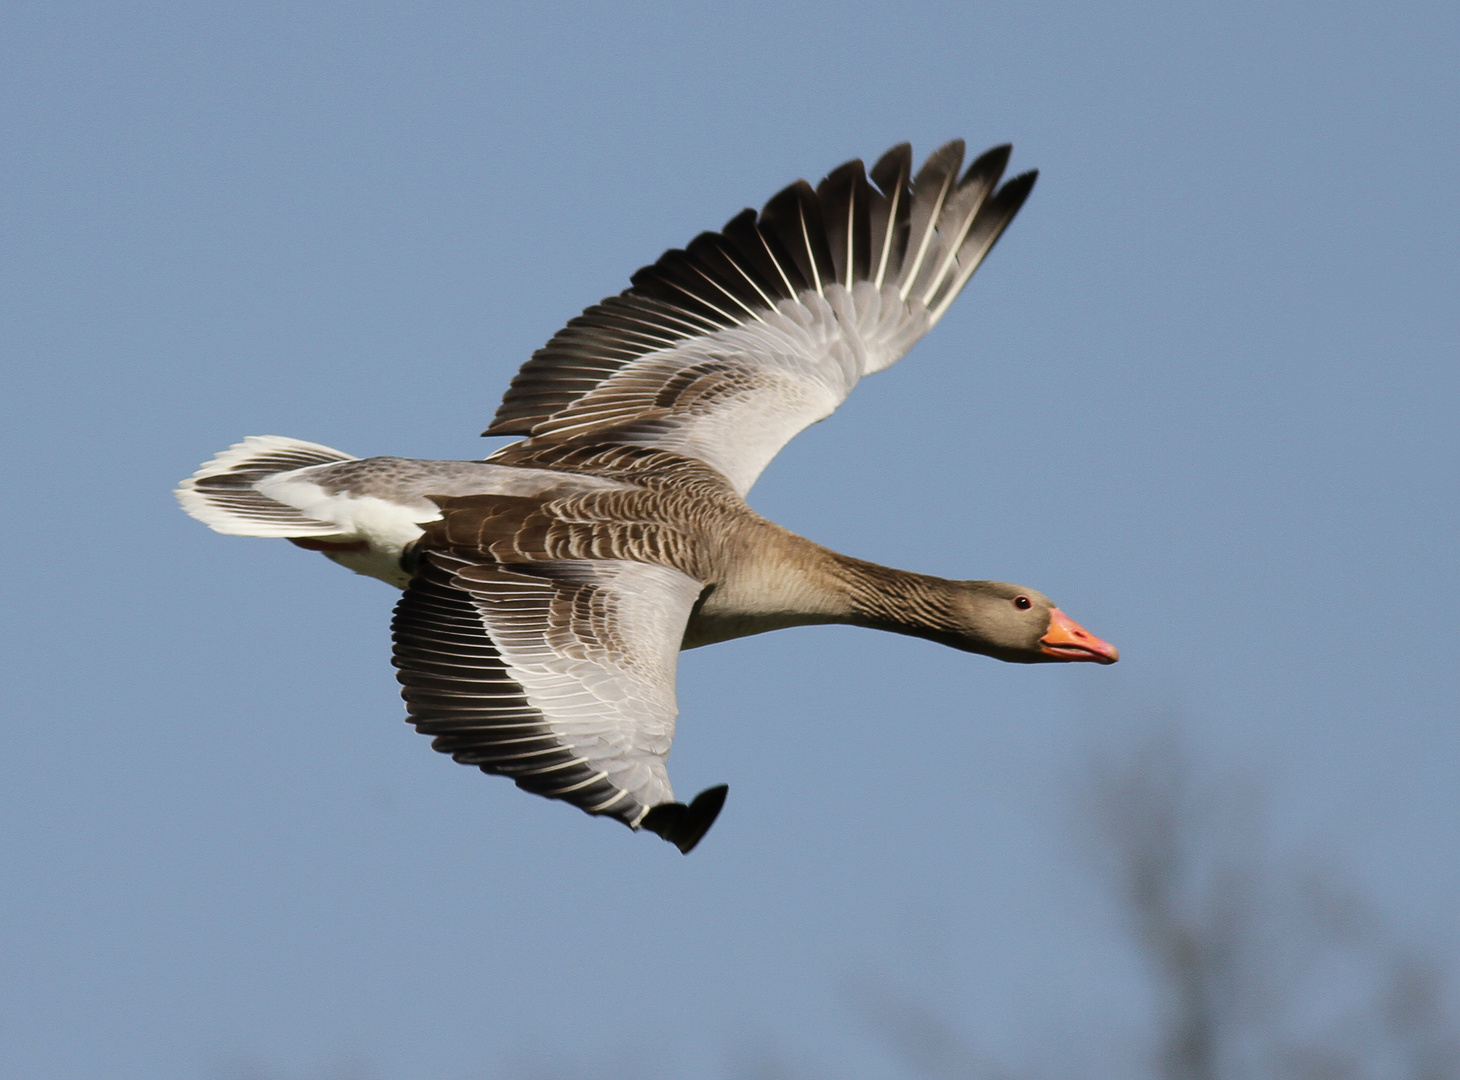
<point x="727" y="349"/>
<point x="559" y="675"/>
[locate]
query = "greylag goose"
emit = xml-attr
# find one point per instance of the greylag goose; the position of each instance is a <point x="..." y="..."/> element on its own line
<point x="549" y="589"/>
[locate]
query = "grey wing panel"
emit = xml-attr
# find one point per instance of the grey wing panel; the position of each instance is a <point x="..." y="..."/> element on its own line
<point x="557" y="675"/>
<point x="733" y="398"/>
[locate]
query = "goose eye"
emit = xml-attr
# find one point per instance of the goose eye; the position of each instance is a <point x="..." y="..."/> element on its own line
<point x="1023" y="603"/>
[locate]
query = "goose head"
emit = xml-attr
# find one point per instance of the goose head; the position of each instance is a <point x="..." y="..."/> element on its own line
<point x="1022" y="626"/>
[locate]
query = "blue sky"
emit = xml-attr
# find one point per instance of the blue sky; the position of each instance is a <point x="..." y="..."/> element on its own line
<point x="1203" y="394"/>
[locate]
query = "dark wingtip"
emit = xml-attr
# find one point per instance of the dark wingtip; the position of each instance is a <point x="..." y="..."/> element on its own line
<point x="993" y="160"/>
<point x="685" y="826"/>
<point x="1023" y="184"/>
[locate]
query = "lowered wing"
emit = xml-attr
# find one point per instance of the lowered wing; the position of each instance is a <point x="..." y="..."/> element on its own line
<point x="559" y="675"/>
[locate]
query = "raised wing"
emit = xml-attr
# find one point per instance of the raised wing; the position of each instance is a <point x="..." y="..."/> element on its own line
<point x="559" y="675"/>
<point x="727" y="349"/>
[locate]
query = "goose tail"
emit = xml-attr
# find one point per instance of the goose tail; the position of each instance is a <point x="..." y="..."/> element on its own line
<point x="224" y="493"/>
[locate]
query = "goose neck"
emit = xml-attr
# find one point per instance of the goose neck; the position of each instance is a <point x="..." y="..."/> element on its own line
<point x="884" y="598"/>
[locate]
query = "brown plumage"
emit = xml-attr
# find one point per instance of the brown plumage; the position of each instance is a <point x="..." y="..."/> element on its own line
<point x="549" y="589"/>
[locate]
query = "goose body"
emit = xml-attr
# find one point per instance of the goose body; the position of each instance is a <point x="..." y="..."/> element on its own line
<point x="549" y="589"/>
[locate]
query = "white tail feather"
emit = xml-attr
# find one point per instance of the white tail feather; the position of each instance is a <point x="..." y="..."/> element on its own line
<point x="224" y="496"/>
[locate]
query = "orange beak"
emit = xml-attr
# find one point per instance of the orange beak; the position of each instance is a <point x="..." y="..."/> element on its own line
<point x="1068" y="640"/>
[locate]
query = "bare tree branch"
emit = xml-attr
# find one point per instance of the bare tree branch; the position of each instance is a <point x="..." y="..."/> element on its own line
<point x="1264" y="964"/>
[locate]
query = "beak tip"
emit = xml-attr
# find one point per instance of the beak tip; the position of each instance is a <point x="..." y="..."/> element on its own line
<point x="1068" y="640"/>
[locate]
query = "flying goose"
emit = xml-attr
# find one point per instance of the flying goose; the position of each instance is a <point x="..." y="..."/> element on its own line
<point x="549" y="589"/>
